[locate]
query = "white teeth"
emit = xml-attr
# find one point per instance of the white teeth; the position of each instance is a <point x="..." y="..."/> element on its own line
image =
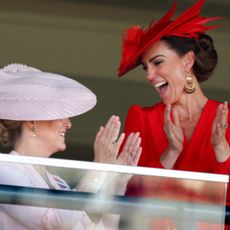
<point x="62" y="134"/>
<point x="160" y="84"/>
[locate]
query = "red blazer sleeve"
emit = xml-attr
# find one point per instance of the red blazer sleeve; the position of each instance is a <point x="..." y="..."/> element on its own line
<point x="137" y="120"/>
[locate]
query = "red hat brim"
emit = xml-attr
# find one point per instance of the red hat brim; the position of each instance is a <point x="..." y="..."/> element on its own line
<point x="189" y="24"/>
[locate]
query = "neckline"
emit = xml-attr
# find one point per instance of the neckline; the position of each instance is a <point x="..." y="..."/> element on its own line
<point x="40" y="169"/>
<point x="198" y="122"/>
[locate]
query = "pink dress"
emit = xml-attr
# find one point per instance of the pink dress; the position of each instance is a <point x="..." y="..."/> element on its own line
<point x="13" y="217"/>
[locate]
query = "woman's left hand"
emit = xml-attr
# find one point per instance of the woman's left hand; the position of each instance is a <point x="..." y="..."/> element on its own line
<point x="219" y="128"/>
<point x="108" y="142"/>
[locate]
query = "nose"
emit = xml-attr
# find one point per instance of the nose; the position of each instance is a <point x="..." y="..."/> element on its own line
<point x="67" y="123"/>
<point x="150" y="74"/>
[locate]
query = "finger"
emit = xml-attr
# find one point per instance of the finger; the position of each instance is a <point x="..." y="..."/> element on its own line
<point x="109" y="123"/>
<point x="99" y="133"/>
<point x="167" y="113"/>
<point x="224" y="116"/>
<point x="137" y="156"/>
<point x="132" y="146"/>
<point x="113" y="128"/>
<point x="137" y="142"/>
<point x="176" y="118"/>
<point x="124" y="152"/>
<point x="219" y="113"/>
<point x="135" y="146"/>
<point x="117" y="145"/>
<point x="226" y="107"/>
<point x="218" y="129"/>
<point x="134" y="152"/>
<point x="167" y="118"/>
<point x="133" y="141"/>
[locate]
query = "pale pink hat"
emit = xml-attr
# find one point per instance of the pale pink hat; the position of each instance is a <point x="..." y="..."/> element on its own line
<point x="27" y="93"/>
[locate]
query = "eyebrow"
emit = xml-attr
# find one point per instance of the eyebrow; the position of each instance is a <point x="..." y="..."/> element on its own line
<point x="153" y="58"/>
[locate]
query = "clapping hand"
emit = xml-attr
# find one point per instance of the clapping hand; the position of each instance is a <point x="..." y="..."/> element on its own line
<point x="173" y="129"/>
<point x="108" y="142"/>
<point x="218" y="139"/>
<point x="106" y="149"/>
<point x="174" y="133"/>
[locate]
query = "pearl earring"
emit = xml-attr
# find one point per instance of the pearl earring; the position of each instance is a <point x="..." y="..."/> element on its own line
<point x="33" y="129"/>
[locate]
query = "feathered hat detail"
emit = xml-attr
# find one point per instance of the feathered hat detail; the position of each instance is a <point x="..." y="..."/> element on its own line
<point x="135" y="40"/>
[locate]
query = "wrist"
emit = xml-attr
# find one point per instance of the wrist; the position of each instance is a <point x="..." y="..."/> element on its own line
<point x="173" y="152"/>
<point x="222" y="151"/>
<point x="92" y="181"/>
<point x="169" y="158"/>
<point x="117" y="183"/>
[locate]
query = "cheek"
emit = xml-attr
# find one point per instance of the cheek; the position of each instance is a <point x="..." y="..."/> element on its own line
<point x="177" y="84"/>
<point x="178" y="77"/>
<point x="51" y="136"/>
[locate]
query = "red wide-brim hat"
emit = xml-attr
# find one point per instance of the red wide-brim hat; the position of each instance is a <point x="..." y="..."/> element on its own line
<point x="135" y="40"/>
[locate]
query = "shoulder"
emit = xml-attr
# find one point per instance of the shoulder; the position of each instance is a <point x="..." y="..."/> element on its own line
<point x="15" y="174"/>
<point x="147" y="109"/>
<point x="138" y="117"/>
<point x="13" y="167"/>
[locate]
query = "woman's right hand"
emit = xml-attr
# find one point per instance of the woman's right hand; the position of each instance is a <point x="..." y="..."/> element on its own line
<point x="173" y="129"/>
<point x="108" y="142"/>
<point x="106" y="149"/>
<point x="174" y="133"/>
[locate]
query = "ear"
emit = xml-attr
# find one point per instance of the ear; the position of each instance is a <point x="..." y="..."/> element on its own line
<point x="30" y="125"/>
<point x="189" y="59"/>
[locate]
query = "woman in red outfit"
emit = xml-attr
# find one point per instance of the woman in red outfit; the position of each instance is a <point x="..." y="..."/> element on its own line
<point x="186" y="130"/>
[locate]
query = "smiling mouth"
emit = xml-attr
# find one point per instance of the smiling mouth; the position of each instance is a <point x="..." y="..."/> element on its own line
<point x="161" y="85"/>
<point x="62" y="134"/>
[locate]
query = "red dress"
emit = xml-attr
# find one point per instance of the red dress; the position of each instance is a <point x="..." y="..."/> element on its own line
<point x="198" y="155"/>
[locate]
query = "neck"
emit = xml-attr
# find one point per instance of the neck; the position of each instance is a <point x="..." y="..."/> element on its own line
<point x="30" y="146"/>
<point x="191" y="105"/>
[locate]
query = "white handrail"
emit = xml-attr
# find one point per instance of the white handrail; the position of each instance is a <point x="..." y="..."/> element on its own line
<point x="74" y="164"/>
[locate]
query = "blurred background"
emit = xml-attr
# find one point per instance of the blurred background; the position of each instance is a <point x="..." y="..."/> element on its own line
<point x="82" y="39"/>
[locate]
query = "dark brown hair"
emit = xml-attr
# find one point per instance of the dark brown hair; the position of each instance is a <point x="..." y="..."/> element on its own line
<point x="204" y="50"/>
<point x="9" y="132"/>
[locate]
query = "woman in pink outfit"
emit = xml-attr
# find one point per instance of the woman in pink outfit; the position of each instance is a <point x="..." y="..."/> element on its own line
<point x="35" y="111"/>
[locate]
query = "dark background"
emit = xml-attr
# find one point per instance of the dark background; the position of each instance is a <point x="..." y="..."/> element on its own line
<point x="82" y="39"/>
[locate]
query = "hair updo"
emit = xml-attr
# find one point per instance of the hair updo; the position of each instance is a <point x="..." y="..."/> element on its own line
<point x="9" y="132"/>
<point x="204" y="50"/>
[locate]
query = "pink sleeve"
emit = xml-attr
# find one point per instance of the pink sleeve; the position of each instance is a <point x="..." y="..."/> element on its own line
<point x="36" y="218"/>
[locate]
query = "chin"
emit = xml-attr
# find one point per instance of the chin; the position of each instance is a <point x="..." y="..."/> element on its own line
<point x="166" y="102"/>
<point x="169" y="101"/>
<point x="62" y="148"/>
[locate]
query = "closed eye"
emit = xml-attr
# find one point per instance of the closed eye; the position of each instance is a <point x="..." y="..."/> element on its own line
<point x="157" y="62"/>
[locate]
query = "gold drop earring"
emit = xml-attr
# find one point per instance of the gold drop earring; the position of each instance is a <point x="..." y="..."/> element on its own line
<point x="189" y="86"/>
<point x="33" y="129"/>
